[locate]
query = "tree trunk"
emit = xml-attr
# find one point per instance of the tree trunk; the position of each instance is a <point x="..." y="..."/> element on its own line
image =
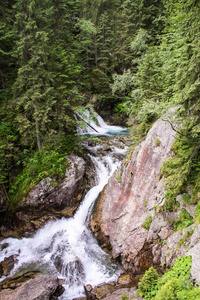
<point x="95" y="49"/>
<point x="38" y="136"/>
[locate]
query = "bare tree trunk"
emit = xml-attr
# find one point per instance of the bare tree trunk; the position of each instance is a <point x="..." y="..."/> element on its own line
<point x="4" y="189"/>
<point x="38" y="136"/>
<point x="95" y="49"/>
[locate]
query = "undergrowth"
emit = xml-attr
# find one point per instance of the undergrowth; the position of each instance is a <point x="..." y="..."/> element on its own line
<point x="36" y="168"/>
<point x="182" y="173"/>
<point x="174" y="284"/>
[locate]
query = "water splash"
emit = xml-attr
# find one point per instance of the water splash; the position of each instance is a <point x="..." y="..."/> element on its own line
<point x="97" y="126"/>
<point x="66" y="248"/>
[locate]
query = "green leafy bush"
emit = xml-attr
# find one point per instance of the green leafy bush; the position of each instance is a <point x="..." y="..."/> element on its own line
<point x="173" y="285"/>
<point x="148" y="284"/>
<point x="181" y="269"/>
<point x="168" y="290"/>
<point x="175" y="280"/>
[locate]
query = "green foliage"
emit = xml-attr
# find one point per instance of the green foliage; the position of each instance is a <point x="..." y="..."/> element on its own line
<point x="181" y="169"/>
<point x="147" y="223"/>
<point x="119" y="178"/>
<point x="180" y="269"/>
<point x="125" y="297"/>
<point x="175" y="281"/>
<point x="157" y="142"/>
<point x="174" y="284"/>
<point x="185" y="237"/>
<point x="36" y="168"/>
<point x="139" y="44"/>
<point x="122" y="83"/>
<point x="148" y="284"/>
<point x="57" y="54"/>
<point x="197" y="213"/>
<point x="191" y="293"/>
<point x="183" y="221"/>
<point x="168" y="290"/>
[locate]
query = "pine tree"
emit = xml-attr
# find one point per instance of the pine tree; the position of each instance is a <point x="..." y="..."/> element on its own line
<point x="33" y="87"/>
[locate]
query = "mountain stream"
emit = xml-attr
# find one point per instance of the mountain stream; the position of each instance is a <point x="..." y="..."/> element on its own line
<point x="66" y="248"/>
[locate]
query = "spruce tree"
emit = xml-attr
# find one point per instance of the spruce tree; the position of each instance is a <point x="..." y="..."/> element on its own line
<point x="33" y="87"/>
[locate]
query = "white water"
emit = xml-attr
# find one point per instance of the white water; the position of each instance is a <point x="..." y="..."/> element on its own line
<point x="99" y="127"/>
<point x="66" y="248"/>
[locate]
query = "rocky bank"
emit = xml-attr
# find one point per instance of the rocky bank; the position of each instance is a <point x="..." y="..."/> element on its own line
<point x="127" y="220"/>
<point x="31" y="286"/>
<point x="46" y="201"/>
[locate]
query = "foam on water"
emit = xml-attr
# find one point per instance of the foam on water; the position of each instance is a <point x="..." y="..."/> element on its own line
<point x="99" y="127"/>
<point x="66" y="248"/>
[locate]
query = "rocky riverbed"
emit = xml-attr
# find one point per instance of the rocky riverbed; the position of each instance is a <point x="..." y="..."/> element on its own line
<point x="134" y="195"/>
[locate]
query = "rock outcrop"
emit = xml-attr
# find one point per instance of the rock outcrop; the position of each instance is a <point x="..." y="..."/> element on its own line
<point x="46" y="202"/>
<point x="42" y="287"/>
<point x="129" y="220"/>
<point x="131" y="198"/>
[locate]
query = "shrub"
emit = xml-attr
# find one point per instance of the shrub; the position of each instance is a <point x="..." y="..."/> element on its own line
<point x="174" y="284"/>
<point x="148" y="284"/>
<point x="167" y="291"/>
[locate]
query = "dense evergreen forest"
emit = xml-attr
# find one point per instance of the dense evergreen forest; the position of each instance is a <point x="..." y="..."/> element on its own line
<point x="134" y="58"/>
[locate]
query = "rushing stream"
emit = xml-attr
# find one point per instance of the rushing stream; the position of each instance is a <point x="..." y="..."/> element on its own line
<point x="66" y="248"/>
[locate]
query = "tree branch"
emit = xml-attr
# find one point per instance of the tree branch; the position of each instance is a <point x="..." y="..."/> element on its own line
<point x="182" y="134"/>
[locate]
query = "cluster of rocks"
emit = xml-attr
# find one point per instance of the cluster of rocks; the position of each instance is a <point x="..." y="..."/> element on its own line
<point x="125" y="286"/>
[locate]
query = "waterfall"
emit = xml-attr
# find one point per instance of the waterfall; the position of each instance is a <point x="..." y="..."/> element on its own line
<point x="96" y="125"/>
<point x="66" y="248"/>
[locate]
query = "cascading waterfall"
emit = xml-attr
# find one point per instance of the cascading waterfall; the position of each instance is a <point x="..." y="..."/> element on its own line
<point x="97" y="126"/>
<point x="66" y="248"/>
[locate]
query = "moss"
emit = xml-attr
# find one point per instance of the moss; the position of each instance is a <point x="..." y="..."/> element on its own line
<point x="157" y="142"/>
<point x="119" y="178"/>
<point x="185" y="237"/>
<point x="147" y="223"/>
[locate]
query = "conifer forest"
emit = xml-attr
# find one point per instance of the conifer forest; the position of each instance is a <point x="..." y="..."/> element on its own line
<point x="135" y="58"/>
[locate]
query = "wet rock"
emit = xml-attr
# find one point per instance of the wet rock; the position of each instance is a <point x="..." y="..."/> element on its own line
<point x="58" y="292"/>
<point x="125" y="279"/>
<point x="102" y="290"/>
<point x="88" y="287"/>
<point x="7" y="265"/>
<point x="3" y="246"/>
<point x="73" y="270"/>
<point x="42" y="287"/>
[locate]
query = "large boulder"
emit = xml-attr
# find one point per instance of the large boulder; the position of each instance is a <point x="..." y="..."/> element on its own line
<point x="127" y="204"/>
<point x="42" y="287"/>
<point x="47" y="201"/>
<point x="45" y="196"/>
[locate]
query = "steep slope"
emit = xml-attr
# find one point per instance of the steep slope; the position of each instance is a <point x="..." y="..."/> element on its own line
<point x="129" y="213"/>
